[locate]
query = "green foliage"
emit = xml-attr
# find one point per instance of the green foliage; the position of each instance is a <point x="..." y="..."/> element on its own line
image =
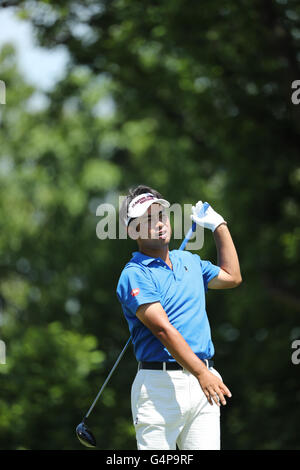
<point x="46" y="374"/>
<point x="195" y="100"/>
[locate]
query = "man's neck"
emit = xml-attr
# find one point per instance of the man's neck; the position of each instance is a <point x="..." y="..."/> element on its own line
<point x="162" y="253"/>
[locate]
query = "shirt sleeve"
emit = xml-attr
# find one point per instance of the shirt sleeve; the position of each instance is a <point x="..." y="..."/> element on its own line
<point x="209" y="271"/>
<point x="135" y="288"/>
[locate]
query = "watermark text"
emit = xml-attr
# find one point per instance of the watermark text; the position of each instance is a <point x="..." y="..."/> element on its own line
<point x="296" y="354"/>
<point x="296" y="94"/>
<point x="2" y="92"/>
<point x="2" y="352"/>
<point x="151" y="225"/>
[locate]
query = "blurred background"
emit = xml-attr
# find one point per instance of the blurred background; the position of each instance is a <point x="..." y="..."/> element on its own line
<point x="194" y="99"/>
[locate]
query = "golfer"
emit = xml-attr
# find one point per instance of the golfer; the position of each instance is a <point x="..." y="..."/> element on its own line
<point x="176" y="394"/>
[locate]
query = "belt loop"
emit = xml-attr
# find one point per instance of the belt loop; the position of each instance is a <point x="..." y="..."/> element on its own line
<point x="164" y="366"/>
<point x="207" y="363"/>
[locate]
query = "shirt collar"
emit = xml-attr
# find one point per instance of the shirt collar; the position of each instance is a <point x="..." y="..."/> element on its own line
<point x="141" y="258"/>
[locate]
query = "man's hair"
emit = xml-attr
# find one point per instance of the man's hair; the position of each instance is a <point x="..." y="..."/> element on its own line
<point x="134" y="192"/>
<point x="141" y="189"/>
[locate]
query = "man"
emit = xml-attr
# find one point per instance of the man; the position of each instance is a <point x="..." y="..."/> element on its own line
<point x="176" y="394"/>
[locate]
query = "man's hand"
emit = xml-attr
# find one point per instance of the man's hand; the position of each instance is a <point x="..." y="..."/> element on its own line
<point x="205" y="216"/>
<point x="213" y="387"/>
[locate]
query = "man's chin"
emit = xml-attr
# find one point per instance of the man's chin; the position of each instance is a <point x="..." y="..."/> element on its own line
<point x="157" y="242"/>
<point x="162" y="239"/>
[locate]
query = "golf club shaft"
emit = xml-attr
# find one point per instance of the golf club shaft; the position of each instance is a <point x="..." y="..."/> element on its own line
<point x="182" y="247"/>
<point x="188" y="236"/>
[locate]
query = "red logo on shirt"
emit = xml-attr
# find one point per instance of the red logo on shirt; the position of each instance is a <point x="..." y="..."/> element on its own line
<point x="135" y="292"/>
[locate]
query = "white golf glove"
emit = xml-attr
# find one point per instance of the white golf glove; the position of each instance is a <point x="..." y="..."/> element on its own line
<point x="204" y="215"/>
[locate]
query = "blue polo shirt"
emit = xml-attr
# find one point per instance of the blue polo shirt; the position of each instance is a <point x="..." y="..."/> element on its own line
<point x="180" y="291"/>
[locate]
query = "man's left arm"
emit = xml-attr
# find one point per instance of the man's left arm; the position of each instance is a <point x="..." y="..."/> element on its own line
<point x="230" y="274"/>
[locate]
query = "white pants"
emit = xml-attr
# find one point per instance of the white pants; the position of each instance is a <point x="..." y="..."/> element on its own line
<point x="169" y="408"/>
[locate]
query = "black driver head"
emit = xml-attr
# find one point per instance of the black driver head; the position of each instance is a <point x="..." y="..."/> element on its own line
<point x="85" y="436"/>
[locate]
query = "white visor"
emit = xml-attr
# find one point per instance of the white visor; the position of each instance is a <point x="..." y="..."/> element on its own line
<point x="140" y="204"/>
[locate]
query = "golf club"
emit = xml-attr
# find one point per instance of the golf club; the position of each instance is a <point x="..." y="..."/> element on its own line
<point x="84" y="435"/>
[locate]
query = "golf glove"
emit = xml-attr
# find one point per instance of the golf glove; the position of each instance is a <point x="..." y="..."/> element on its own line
<point x="204" y="215"/>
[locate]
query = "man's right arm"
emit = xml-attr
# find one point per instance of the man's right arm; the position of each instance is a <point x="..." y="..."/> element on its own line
<point x="153" y="316"/>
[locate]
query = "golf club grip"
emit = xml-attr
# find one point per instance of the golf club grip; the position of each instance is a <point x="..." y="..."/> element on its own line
<point x="182" y="247"/>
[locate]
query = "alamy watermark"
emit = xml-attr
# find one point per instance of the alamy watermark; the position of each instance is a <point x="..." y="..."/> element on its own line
<point x="112" y="227"/>
<point x="296" y="94"/>
<point x="2" y="92"/>
<point x="296" y="354"/>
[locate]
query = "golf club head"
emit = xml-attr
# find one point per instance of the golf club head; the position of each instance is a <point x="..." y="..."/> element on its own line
<point x="85" y="436"/>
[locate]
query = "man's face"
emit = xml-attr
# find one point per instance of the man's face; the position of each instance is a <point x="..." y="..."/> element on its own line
<point x="153" y="228"/>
